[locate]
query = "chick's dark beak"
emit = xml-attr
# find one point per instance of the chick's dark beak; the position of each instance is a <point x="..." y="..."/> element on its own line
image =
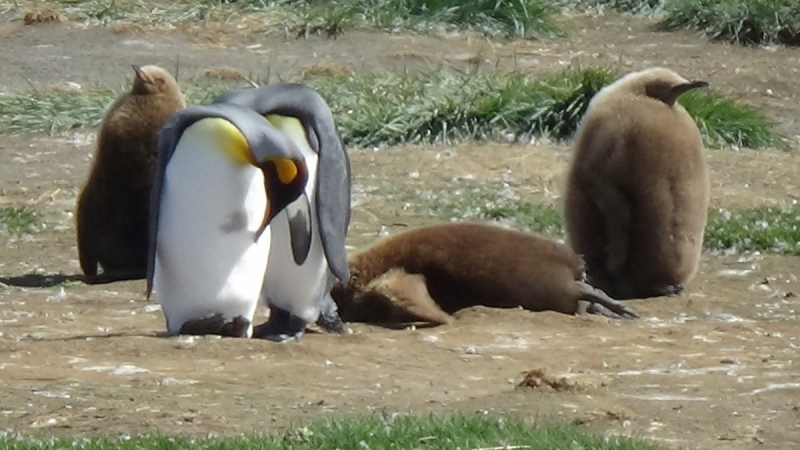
<point x="285" y="180"/>
<point x="698" y="84"/>
<point x="139" y="73"/>
<point x="680" y="89"/>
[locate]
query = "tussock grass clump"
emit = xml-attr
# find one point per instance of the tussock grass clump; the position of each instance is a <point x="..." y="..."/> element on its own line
<point x="439" y="106"/>
<point x="447" y="106"/>
<point x="17" y="219"/>
<point x="54" y="111"/>
<point x="508" y="18"/>
<point x="459" y="431"/>
<point x="725" y="122"/>
<point x="775" y="229"/>
<point x="741" y="21"/>
<point x="639" y="7"/>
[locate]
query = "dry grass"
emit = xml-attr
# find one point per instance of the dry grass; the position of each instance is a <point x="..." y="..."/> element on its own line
<point x="325" y="68"/>
<point x="40" y="16"/>
<point x="509" y="18"/>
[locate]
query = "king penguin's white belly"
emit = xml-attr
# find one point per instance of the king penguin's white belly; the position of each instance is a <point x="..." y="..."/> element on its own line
<point x="291" y="287"/>
<point x="207" y="260"/>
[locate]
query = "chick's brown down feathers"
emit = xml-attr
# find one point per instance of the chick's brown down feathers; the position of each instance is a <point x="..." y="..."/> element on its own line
<point x="427" y="273"/>
<point x="637" y="190"/>
<point x="113" y="208"/>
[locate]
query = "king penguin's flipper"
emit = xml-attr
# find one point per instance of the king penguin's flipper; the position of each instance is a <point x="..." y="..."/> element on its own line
<point x="265" y="142"/>
<point x="333" y="180"/>
<point x="300" y="231"/>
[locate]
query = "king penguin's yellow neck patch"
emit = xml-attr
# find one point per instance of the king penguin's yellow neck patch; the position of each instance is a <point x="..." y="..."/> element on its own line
<point x="286" y="168"/>
<point x="227" y="138"/>
<point x="289" y="125"/>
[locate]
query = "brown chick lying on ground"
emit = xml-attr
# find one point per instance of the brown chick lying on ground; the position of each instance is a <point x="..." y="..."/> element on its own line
<point x="428" y="273"/>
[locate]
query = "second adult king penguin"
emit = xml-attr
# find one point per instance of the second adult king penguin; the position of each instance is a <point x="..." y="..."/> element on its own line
<point x="308" y="237"/>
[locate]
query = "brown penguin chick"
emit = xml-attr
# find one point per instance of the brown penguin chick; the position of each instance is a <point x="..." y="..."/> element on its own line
<point x="427" y="273"/>
<point x="637" y="193"/>
<point x="113" y="209"/>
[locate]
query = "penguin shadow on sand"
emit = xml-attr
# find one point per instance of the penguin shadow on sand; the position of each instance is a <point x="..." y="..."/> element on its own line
<point x="86" y="337"/>
<point x="35" y="280"/>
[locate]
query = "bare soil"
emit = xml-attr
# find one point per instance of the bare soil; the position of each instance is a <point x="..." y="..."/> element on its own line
<point x="715" y="367"/>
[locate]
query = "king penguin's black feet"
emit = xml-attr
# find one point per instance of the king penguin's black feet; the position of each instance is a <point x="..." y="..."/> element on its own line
<point x="216" y="324"/>
<point x="280" y="327"/>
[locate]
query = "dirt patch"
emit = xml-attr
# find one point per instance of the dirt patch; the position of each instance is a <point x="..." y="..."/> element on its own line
<point x="716" y="363"/>
<point x="47" y="54"/>
<point x="714" y="367"/>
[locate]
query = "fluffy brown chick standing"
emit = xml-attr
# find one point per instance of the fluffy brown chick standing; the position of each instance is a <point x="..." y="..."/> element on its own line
<point x="114" y="207"/>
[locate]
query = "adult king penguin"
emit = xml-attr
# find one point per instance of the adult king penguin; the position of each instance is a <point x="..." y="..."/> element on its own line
<point x="308" y="237"/>
<point x="223" y="174"/>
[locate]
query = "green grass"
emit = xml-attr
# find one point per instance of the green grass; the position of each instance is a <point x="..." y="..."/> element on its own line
<point x="54" y="111"/>
<point x="639" y="7"/>
<point x="375" y="433"/>
<point x="439" y="106"/>
<point x="506" y="18"/>
<point x="17" y="219"/>
<point x="725" y="122"/>
<point x="449" y="106"/>
<point x="740" y="21"/>
<point x="771" y="229"/>
<point x="491" y="202"/>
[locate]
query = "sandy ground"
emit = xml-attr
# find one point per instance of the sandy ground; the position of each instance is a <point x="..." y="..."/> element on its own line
<point x="715" y="367"/>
